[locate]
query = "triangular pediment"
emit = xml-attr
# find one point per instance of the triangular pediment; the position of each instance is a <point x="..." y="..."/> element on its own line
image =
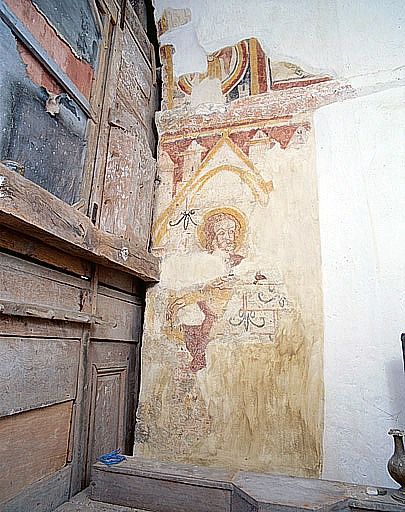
<point x="225" y="151"/>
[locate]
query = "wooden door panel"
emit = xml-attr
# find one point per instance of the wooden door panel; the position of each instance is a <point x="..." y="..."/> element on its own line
<point x="129" y="183"/>
<point x="108" y="409"/>
<point x="33" y="444"/>
<point x="29" y="283"/>
<point x="114" y="389"/>
<point x="126" y="208"/>
<point x="121" y="315"/>
<point x="35" y="372"/>
<point x="135" y="82"/>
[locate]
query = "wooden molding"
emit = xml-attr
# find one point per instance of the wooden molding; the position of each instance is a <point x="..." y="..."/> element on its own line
<point x="27" y="208"/>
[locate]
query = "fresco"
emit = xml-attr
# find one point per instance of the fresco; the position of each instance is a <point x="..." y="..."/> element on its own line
<point x="241" y="70"/>
<point x="234" y="72"/>
<point x="237" y="316"/>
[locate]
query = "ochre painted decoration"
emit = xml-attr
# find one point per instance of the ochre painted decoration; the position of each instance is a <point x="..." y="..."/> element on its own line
<point x="286" y="75"/>
<point x="233" y="72"/>
<point x="236" y="319"/>
<point x="241" y="70"/>
<point x="228" y="65"/>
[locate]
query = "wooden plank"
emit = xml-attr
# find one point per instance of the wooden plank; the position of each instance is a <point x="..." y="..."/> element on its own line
<point x="82" y="503"/>
<point x="27" y="207"/>
<point x="126" y="207"/>
<point x="33" y="445"/>
<point x="128" y="256"/>
<point x="157" y="495"/>
<point x="135" y="80"/>
<point x="174" y="472"/>
<point x="79" y="432"/>
<point x="241" y="502"/>
<point x="140" y="35"/>
<point x="36" y="327"/>
<point x="10" y="308"/>
<point x="121" y="315"/>
<point x="28" y="283"/>
<point x="129" y="184"/>
<point x="109" y="96"/>
<point x="107" y="9"/>
<point x="36" y="372"/>
<point x="44" y="495"/>
<point x="115" y="279"/>
<point x="40" y="252"/>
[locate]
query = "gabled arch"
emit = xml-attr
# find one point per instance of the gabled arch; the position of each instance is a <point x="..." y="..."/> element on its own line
<point x="259" y="188"/>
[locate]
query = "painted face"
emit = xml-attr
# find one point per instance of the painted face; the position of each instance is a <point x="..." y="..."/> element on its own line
<point x="225" y="232"/>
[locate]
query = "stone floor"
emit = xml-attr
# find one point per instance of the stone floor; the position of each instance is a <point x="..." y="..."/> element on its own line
<point x="81" y="502"/>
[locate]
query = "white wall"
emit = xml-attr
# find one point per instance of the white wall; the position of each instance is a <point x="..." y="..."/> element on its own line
<point x="343" y="37"/>
<point x="361" y="168"/>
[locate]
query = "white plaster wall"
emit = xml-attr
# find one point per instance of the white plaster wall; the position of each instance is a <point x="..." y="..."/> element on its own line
<point x="343" y="37"/>
<point x="361" y="168"/>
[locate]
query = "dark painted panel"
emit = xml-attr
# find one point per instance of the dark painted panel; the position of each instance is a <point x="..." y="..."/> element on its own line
<point x="50" y="148"/>
<point x="75" y="22"/>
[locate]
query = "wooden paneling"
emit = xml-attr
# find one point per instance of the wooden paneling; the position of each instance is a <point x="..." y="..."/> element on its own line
<point x="116" y="279"/>
<point x="114" y="393"/>
<point x="135" y="81"/>
<point x="28" y="208"/>
<point x="42" y="496"/>
<point x="121" y="315"/>
<point x="36" y="372"/>
<point x="36" y="250"/>
<point x="241" y="502"/>
<point x="29" y="283"/>
<point x="33" y="445"/>
<point x="21" y="326"/>
<point x="161" y="494"/>
<point x="130" y="172"/>
<point x="137" y="23"/>
<point x="83" y="371"/>
<point x="107" y="428"/>
<point x="129" y="184"/>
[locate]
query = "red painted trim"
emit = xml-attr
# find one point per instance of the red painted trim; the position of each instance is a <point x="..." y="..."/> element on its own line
<point x="279" y="86"/>
<point x="79" y="71"/>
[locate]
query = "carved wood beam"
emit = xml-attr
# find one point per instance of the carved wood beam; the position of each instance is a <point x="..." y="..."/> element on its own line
<point x="27" y="208"/>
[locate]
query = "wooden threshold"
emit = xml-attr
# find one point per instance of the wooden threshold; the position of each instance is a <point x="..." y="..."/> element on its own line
<point x="27" y="208"/>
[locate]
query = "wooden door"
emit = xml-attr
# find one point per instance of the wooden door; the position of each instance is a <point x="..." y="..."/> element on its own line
<point x="126" y="203"/>
<point x="114" y="362"/>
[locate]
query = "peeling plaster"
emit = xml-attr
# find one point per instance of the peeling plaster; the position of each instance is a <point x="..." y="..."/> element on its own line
<point x="3" y="187"/>
<point x="322" y="37"/>
<point x="52" y="105"/>
<point x="36" y="72"/>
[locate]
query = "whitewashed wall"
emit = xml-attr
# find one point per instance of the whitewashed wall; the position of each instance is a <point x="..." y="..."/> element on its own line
<point x="344" y="37"/>
<point x="361" y="169"/>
